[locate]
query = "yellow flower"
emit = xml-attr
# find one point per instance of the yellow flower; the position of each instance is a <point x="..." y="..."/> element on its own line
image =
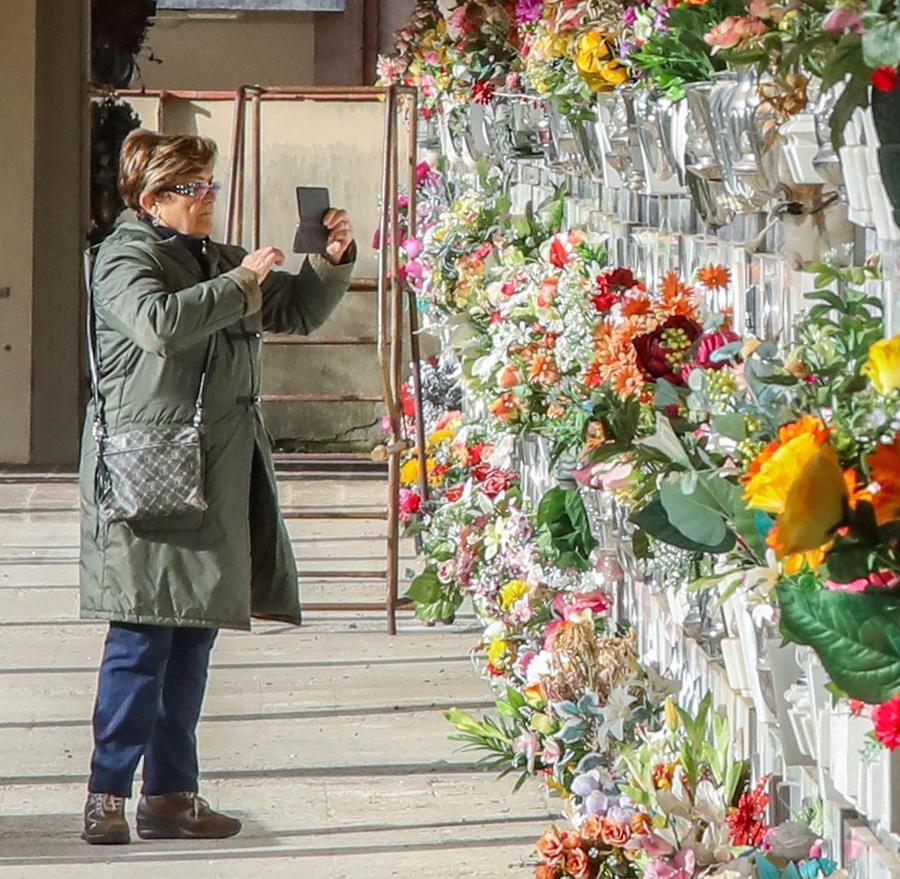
<point x="512" y="592"/>
<point x="670" y="713"/>
<point x="440" y="435"/>
<point x="778" y="466"/>
<point x="814" y="506"/>
<point x="595" y="62"/>
<point x="883" y="365"/>
<point x="613" y="72"/>
<point x="409" y="471"/>
<point x="593" y="49"/>
<point x="794" y="564"/>
<point x="497" y="650"/>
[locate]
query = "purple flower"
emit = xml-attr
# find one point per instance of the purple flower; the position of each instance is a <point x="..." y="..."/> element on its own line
<point x="529" y="10"/>
<point x="596" y="803"/>
<point x="629" y="16"/>
<point x="584" y="785"/>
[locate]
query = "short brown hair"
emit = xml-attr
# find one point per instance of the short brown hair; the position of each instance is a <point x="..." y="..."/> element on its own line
<point x="149" y="160"/>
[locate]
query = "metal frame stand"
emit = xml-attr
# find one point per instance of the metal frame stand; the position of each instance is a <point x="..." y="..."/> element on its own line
<point x="389" y="287"/>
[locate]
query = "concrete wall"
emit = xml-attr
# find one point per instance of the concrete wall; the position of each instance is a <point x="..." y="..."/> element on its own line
<point x="17" y="51"/>
<point x="41" y="45"/>
<point x="60" y="192"/>
<point x="224" y="53"/>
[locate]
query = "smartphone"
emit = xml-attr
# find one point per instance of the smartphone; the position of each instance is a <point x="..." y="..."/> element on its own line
<point x="312" y="205"/>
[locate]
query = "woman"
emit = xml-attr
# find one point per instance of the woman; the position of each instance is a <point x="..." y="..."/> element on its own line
<point x="162" y="290"/>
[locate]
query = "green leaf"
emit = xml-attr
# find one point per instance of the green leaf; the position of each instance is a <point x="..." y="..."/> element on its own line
<point x="562" y="515"/>
<point x="426" y="588"/>
<point x="653" y="520"/>
<point x="691" y="512"/>
<point x="856" y="635"/>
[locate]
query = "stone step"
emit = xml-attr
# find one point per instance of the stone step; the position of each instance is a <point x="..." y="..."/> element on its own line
<point x="386" y="743"/>
<point x="271" y="645"/>
<point x="65" y="696"/>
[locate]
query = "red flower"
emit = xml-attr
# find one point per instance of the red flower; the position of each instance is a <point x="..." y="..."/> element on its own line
<point x="558" y="254"/>
<point x="483" y="92"/>
<point x="604" y="301"/>
<point x="454" y="493"/>
<point x="746" y="821"/>
<point x="661" y="354"/>
<point x="621" y="277"/>
<point x="887" y="723"/>
<point x="407" y="401"/>
<point x="473" y="454"/>
<point x="884" y="78"/>
<point x="410" y="504"/>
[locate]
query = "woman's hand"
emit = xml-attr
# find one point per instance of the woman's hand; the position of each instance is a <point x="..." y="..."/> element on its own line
<point x="340" y="236"/>
<point x="262" y="261"/>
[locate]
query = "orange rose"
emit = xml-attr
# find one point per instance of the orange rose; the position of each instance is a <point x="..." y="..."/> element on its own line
<point x="550" y="846"/>
<point x="546" y="871"/>
<point x="570" y="839"/>
<point x="614" y="833"/>
<point x="591" y="828"/>
<point x="577" y="864"/>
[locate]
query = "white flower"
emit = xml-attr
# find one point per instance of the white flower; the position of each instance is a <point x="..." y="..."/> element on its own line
<point x="540" y="667"/>
<point x="616" y="711"/>
<point x="791" y="841"/>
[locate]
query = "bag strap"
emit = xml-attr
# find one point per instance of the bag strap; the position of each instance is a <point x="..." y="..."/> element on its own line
<point x="87" y="261"/>
<point x="88" y="258"/>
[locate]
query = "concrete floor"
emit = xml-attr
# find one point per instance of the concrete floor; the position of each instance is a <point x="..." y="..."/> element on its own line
<point x="327" y="740"/>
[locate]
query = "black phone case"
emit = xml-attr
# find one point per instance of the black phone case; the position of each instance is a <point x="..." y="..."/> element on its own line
<point x="312" y="205"/>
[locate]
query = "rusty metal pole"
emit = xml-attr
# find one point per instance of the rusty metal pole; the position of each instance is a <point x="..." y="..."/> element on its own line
<point x="385" y="284"/>
<point x="255" y="167"/>
<point x="237" y="134"/>
<point x="414" y="348"/>
<point x="396" y="350"/>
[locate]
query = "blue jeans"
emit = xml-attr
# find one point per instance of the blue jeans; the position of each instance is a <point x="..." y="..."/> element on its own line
<point x="152" y="680"/>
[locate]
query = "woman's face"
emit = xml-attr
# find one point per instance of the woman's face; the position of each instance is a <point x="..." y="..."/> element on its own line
<point x="189" y="210"/>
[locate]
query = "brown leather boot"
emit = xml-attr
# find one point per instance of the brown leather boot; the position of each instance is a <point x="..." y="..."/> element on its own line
<point x="104" y="820"/>
<point x="182" y="816"/>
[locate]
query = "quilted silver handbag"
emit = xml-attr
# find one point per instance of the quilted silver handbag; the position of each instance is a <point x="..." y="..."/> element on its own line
<point x="155" y="472"/>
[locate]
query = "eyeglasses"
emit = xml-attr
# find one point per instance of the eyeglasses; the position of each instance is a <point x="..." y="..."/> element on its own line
<point x="197" y="189"/>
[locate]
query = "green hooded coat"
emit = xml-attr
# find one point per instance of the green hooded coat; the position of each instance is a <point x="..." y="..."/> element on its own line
<point x="155" y="315"/>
